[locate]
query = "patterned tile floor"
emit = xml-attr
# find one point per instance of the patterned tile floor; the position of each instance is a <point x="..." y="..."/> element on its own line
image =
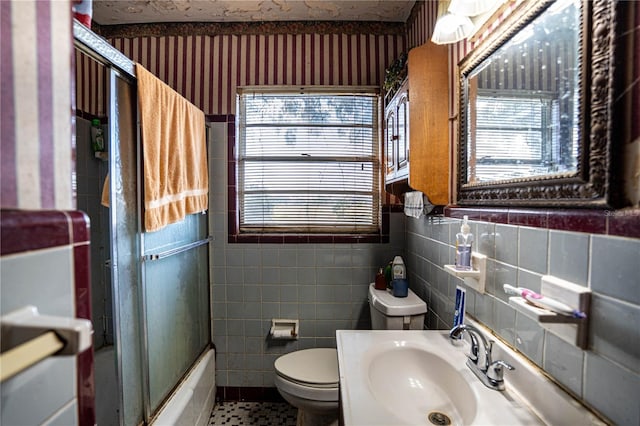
<point x="235" y="413"/>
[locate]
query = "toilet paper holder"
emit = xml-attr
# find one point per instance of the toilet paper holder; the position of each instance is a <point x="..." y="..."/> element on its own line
<point x="284" y="329"/>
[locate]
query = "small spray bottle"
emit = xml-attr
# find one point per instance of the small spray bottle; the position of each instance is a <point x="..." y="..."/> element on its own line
<point x="97" y="135"/>
<point x="464" y="241"/>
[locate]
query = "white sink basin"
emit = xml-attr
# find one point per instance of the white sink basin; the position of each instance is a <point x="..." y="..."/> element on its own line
<point x="420" y="378"/>
<point x="420" y="381"/>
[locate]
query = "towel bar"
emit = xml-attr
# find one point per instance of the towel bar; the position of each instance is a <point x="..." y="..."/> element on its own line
<point x="27" y="337"/>
<point x="186" y="247"/>
<point x="27" y="354"/>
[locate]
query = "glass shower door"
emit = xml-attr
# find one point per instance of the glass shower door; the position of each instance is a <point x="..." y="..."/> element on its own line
<point x="176" y="303"/>
<point x="161" y="280"/>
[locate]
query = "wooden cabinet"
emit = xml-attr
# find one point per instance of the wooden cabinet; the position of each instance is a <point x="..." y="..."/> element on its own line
<point x="396" y="136"/>
<point x="430" y="154"/>
<point x="416" y="127"/>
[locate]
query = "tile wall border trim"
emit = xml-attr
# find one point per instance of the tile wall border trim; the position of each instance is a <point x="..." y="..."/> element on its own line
<point x="620" y="223"/>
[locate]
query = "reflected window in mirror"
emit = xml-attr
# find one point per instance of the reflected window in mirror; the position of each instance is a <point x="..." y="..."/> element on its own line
<point x="519" y="136"/>
<point x="523" y="102"/>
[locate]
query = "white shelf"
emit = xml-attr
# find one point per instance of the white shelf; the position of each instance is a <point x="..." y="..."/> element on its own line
<point x="462" y="273"/>
<point x="541" y="315"/>
<point x="572" y="330"/>
<point x="477" y="276"/>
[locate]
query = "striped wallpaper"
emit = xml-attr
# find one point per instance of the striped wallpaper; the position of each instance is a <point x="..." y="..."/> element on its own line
<point x="207" y="69"/>
<point x="91" y="86"/>
<point x="421" y="22"/>
<point x="36" y="122"/>
<point x="527" y="68"/>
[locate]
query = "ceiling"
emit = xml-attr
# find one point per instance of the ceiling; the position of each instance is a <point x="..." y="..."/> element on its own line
<point x="111" y="12"/>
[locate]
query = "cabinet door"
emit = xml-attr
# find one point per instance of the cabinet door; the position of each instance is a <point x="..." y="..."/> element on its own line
<point x="403" y="135"/>
<point x="429" y="121"/>
<point x="390" y="145"/>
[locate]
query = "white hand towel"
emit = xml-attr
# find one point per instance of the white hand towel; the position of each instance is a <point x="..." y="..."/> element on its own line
<point x="414" y="204"/>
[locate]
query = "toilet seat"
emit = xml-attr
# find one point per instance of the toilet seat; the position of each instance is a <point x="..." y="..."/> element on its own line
<point x="309" y="373"/>
<point x="316" y="367"/>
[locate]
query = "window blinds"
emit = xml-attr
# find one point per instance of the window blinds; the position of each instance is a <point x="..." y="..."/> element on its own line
<point x="513" y="136"/>
<point x="308" y="162"/>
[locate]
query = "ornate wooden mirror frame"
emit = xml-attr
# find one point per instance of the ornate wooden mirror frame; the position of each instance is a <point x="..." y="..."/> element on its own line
<point x="596" y="182"/>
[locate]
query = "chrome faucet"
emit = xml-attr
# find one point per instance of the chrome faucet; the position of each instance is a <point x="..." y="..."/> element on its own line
<point x="490" y="373"/>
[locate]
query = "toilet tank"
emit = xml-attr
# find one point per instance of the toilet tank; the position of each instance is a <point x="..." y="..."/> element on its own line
<point x="396" y="313"/>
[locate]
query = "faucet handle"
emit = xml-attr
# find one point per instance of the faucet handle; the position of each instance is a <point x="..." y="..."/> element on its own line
<point x="495" y="372"/>
<point x="473" y="350"/>
<point x="488" y="350"/>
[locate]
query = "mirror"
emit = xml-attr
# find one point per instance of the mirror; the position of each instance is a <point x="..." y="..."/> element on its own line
<point x="534" y="108"/>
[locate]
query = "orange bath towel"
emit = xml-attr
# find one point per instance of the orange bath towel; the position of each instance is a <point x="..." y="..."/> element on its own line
<point x="174" y="150"/>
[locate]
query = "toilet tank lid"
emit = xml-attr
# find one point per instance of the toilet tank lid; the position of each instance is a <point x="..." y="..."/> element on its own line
<point x="393" y="306"/>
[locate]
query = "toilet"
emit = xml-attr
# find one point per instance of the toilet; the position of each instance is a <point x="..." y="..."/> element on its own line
<point x="308" y="379"/>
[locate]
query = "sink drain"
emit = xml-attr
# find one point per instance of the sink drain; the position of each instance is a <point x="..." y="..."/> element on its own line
<point x="439" y="419"/>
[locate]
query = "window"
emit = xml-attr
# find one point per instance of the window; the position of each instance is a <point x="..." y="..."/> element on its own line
<point x="518" y="137"/>
<point x="308" y="162"/>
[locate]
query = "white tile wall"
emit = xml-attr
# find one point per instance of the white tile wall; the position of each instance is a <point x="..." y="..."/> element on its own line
<point x="46" y="392"/>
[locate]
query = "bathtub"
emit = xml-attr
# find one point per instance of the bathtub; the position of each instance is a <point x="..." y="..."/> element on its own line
<point x="193" y="401"/>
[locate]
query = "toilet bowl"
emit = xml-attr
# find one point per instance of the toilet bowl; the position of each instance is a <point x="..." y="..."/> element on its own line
<point x="308" y="380"/>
